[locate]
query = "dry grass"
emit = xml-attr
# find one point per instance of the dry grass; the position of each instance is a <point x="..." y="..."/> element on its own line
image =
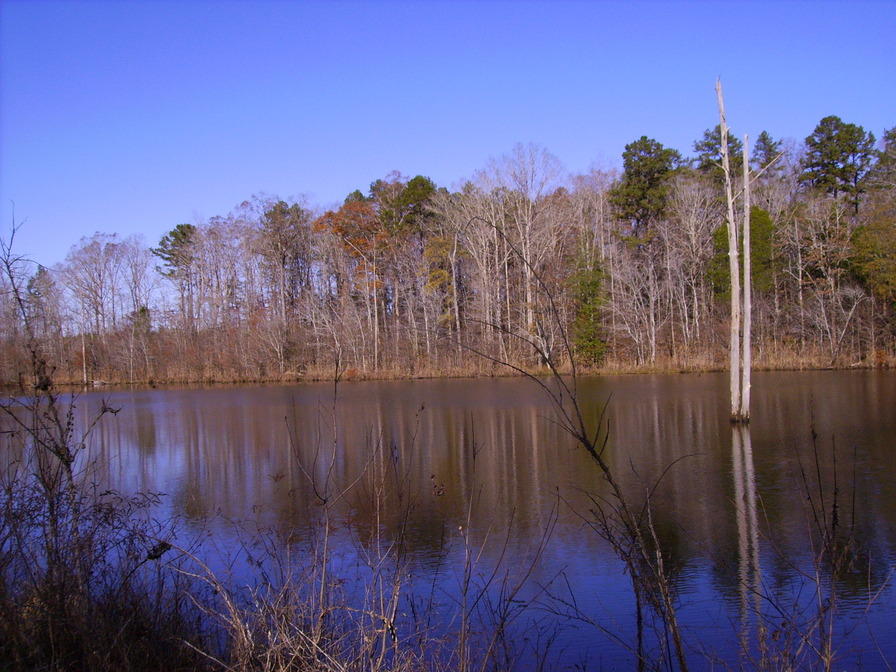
<point x="171" y="371"/>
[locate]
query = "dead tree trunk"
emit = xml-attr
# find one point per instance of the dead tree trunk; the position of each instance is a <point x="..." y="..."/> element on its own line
<point x="747" y="312"/>
<point x="739" y="342"/>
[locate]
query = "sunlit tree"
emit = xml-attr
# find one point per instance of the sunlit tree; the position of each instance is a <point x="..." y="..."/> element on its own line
<point x="838" y="158"/>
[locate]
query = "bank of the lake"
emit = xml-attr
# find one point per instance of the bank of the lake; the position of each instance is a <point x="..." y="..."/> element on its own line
<point x="472" y="367"/>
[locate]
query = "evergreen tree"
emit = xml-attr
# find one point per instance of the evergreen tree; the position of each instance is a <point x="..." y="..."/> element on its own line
<point x="762" y="267"/>
<point x="874" y="245"/>
<point x="402" y="206"/>
<point x="641" y="196"/>
<point x="587" y="329"/>
<point x="838" y="158"/>
<point x="709" y="153"/>
<point x="283" y="243"/>
<point x="883" y="174"/>
<point x="356" y="197"/>
<point x="763" y="153"/>
<point x="175" y="250"/>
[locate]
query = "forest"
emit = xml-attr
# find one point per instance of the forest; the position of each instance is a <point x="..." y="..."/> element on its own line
<point x="629" y="268"/>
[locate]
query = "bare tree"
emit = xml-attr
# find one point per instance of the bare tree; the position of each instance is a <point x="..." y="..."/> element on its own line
<point x="739" y="362"/>
<point x="473" y="218"/>
<point x="634" y="300"/>
<point x="526" y="181"/>
<point x="694" y="212"/>
<point x="826" y="248"/>
<point x="92" y="273"/>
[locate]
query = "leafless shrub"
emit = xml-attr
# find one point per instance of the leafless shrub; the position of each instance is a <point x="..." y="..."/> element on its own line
<point x="83" y="580"/>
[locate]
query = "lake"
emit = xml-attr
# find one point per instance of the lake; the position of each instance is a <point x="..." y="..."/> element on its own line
<point x="487" y="494"/>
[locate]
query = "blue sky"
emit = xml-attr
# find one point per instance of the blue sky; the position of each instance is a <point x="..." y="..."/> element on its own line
<point x="134" y="116"/>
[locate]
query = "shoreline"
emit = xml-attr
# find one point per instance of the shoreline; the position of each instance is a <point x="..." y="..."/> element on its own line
<point x="393" y="374"/>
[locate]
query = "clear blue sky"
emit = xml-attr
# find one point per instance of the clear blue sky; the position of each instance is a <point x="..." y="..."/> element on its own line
<point x="133" y="116"/>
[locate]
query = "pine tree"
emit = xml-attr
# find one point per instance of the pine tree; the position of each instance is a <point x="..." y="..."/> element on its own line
<point x="838" y="158"/>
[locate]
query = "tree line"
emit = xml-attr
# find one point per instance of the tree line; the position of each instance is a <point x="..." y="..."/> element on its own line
<point x="409" y="278"/>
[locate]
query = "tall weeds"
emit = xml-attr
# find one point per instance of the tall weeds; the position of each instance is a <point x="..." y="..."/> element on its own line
<point x="82" y="579"/>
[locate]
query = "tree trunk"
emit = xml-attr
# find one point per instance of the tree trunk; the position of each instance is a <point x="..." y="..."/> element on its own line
<point x="734" y="268"/>
<point x="748" y="300"/>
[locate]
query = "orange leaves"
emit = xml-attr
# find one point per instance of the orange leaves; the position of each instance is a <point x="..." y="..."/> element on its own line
<point x="356" y="223"/>
<point x="363" y="237"/>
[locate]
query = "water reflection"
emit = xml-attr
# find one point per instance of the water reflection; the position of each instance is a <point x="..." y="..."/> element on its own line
<point x="727" y="503"/>
<point x="748" y="568"/>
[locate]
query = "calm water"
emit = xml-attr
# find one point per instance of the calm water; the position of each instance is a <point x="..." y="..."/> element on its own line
<point x="484" y="463"/>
